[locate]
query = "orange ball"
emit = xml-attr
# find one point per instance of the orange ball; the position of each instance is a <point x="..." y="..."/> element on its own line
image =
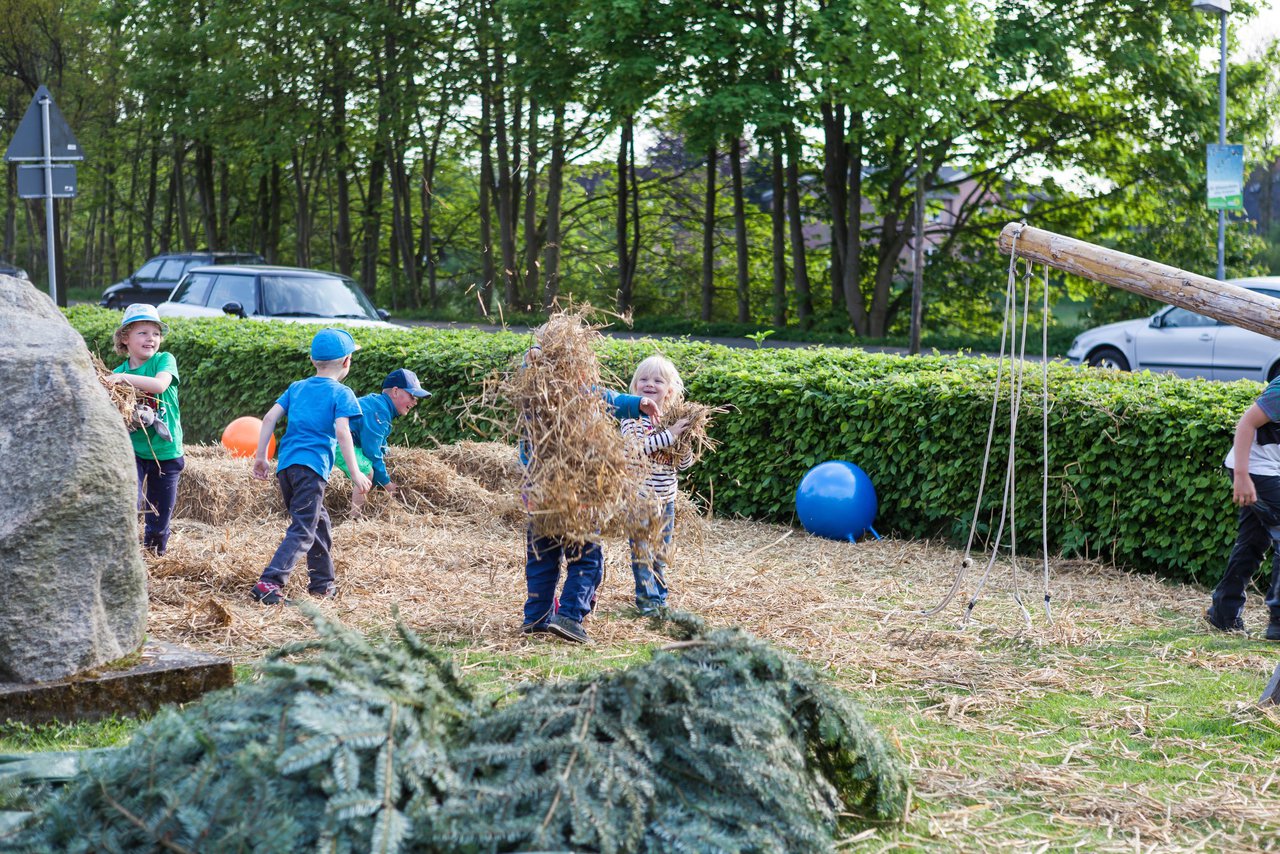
<point x="241" y="437"/>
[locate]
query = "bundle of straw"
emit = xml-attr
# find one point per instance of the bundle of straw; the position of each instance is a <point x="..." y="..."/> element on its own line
<point x="124" y="397"/>
<point x="582" y="475"/>
<point x="694" y="440"/>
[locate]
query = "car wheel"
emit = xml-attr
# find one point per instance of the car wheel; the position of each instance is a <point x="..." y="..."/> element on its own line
<point x="1108" y="357"/>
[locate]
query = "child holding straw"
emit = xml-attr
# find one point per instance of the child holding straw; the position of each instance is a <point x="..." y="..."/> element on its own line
<point x="657" y="379"/>
<point x="584" y="570"/>
<point x="319" y="410"/>
<point x="157" y="434"/>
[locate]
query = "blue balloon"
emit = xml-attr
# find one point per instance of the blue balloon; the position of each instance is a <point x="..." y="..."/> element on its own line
<point x="836" y="499"/>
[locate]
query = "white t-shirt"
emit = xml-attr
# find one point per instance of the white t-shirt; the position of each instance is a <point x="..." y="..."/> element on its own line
<point x="1264" y="453"/>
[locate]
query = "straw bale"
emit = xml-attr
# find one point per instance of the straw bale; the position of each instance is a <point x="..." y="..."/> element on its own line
<point x="494" y="465"/>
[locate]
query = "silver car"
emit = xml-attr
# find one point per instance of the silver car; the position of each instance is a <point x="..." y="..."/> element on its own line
<point x="1182" y="342"/>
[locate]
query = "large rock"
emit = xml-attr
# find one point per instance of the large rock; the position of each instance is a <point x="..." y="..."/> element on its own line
<point x="72" y="583"/>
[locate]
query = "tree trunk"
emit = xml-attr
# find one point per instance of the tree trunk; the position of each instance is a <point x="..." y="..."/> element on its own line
<point x="344" y="251"/>
<point x="799" y="264"/>
<point x="777" y="215"/>
<point x="486" y="188"/>
<point x="834" y="169"/>
<point x="205" y="195"/>
<point x="302" y="212"/>
<point x="180" y="196"/>
<point x="149" y="208"/>
<point x="708" y="234"/>
<point x="555" y="188"/>
<point x="740" y="231"/>
<point x="532" y="245"/>
<point x="506" y="206"/>
<point x="852" y="266"/>
<point x="620" y="224"/>
<point x="371" y="224"/>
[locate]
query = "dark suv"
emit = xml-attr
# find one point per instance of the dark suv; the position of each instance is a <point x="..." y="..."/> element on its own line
<point x="156" y="279"/>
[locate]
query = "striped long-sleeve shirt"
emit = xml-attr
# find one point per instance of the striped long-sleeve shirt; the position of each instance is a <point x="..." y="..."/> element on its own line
<point x="664" y="465"/>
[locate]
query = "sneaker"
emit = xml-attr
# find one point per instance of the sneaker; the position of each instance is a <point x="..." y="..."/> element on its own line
<point x="268" y="593"/>
<point x="1273" y="631"/>
<point x="537" y="628"/>
<point x="1237" y="625"/>
<point x="570" y="630"/>
<point x="329" y="591"/>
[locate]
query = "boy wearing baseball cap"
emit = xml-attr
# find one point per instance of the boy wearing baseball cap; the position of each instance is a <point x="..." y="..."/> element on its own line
<point x="401" y="392"/>
<point x="320" y="409"/>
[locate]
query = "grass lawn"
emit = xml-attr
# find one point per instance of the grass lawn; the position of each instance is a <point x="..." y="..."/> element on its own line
<point x="1122" y="724"/>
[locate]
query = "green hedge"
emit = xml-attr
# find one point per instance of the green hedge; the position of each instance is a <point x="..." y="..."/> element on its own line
<point x="1135" y="460"/>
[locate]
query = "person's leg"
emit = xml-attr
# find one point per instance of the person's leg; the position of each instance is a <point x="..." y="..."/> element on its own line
<point x="297" y="541"/>
<point x="162" y="495"/>
<point x="541" y="572"/>
<point x="643" y="566"/>
<point x="1252" y="540"/>
<point x="585" y="567"/>
<point x="144" y="467"/>
<point x="320" y="574"/>
<point x="662" y="555"/>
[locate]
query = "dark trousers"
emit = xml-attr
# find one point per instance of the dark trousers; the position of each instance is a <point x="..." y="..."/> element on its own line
<point x="308" y="533"/>
<point x="583" y="573"/>
<point x="157" y="494"/>
<point x="1259" y="529"/>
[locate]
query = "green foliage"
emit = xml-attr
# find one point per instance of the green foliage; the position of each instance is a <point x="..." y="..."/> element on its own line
<point x="720" y="743"/>
<point x="1135" y="459"/>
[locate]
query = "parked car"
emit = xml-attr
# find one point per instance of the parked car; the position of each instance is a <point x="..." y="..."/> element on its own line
<point x="156" y="279"/>
<point x="7" y="269"/>
<point x="1185" y="343"/>
<point x="272" y="293"/>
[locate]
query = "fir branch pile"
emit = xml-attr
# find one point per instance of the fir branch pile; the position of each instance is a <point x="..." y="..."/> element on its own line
<point x="721" y="743"/>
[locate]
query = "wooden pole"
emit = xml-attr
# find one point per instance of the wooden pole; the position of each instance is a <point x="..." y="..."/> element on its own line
<point x="1222" y="301"/>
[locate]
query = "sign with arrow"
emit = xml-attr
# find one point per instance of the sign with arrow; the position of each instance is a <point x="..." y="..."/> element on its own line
<point x="44" y="138"/>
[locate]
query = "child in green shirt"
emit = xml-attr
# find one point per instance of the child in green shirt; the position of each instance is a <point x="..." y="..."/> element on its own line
<point x="157" y="436"/>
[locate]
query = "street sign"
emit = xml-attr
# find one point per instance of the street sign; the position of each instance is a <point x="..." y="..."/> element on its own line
<point x="1226" y="177"/>
<point x="31" y="181"/>
<point x="28" y="141"/>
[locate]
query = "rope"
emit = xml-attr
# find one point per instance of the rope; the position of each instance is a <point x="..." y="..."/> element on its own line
<point x="1008" y="506"/>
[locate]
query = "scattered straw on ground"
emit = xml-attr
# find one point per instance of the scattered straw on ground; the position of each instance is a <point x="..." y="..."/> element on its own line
<point x="450" y="558"/>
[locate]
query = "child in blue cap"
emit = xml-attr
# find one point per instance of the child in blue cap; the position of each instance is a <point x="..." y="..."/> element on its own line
<point x="400" y="393"/>
<point x="157" y="430"/>
<point x="320" y="409"/>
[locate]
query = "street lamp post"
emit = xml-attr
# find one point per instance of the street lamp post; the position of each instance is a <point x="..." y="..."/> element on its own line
<point x="1219" y="8"/>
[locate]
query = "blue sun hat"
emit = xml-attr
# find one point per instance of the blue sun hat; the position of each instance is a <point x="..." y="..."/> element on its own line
<point x="142" y="311"/>
<point x="332" y="344"/>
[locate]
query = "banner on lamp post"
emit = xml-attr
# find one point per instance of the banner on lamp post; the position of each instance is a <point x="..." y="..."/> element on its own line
<point x="1226" y="177"/>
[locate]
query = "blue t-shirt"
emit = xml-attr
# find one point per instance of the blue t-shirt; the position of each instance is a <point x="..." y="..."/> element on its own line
<point x="313" y="405"/>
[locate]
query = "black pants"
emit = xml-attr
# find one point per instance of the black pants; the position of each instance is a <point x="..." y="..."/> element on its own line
<point x="1259" y="529"/>
<point x="303" y="491"/>
<point x="157" y="493"/>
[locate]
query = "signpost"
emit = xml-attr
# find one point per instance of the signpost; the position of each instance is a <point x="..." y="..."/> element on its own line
<point x="44" y="137"/>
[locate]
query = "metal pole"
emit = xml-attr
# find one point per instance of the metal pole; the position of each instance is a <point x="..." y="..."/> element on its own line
<point x="917" y="274"/>
<point x="50" y="236"/>
<point x="1222" y="136"/>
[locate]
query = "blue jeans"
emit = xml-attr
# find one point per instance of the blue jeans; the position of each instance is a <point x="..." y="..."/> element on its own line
<point x="583" y="574"/>
<point x="649" y="565"/>
<point x="1259" y="529"/>
<point x="308" y="533"/>
<point x="157" y="494"/>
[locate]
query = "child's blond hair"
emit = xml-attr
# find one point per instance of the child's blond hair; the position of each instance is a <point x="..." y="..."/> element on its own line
<point x="667" y="370"/>
<point x="120" y="337"/>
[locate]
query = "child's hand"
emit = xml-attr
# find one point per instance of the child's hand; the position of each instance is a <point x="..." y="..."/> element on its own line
<point x="1244" y="493"/>
<point x="113" y="379"/>
<point x="261" y="468"/>
<point x="533" y="354"/>
<point x="650" y="407"/>
<point x="391" y="487"/>
<point x="679" y="427"/>
<point x="360" y="482"/>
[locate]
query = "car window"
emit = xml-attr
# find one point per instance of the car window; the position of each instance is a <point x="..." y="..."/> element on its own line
<point x="172" y="270"/>
<point x="315" y="296"/>
<point x="194" y="289"/>
<point x="233" y="288"/>
<point x="149" y="270"/>
<point x="1182" y="319"/>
